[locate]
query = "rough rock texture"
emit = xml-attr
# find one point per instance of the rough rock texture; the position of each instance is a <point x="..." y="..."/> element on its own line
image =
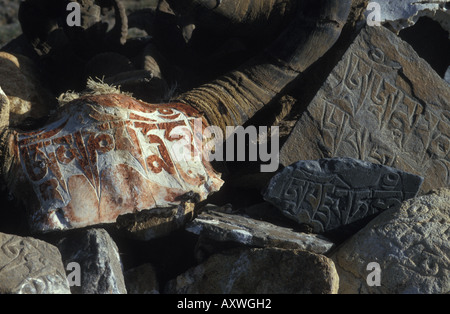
<point x="156" y="223"/>
<point x="30" y="266"/>
<point x="108" y="155"/>
<point x="400" y="14"/>
<point x="411" y="245"/>
<point x="330" y="193"/>
<point x="383" y="104"/>
<point x="447" y="75"/>
<point x="142" y="280"/>
<point x="259" y="271"/>
<point x="98" y="256"/>
<point x="20" y="81"/>
<point x="9" y="24"/>
<point x="244" y="230"/>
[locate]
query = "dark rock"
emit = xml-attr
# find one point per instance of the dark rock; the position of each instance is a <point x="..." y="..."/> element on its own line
<point x="259" y="271"/>
<point x="330" y="193"/>
<point x="411" y="246"/>
<point x="142" y="280"/>
<point x="98" y="256"/>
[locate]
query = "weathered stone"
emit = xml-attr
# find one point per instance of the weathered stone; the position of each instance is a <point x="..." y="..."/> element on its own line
<point x="155" y="223"/>
<point x="227" y="227"/>
<point x="384" y="104"/>
<point x="259" y="271"/>
<point x="98" y="256"/>
<point x="142" y="280"/>
<point x="400" y="14"/>
<point x="411" y="246"/>
<point x="108" y="155"/>
<point x="20" y="81"/>
<point x="330" y="193"/>
<point x="447" y="75"/>
<point x="30" y="266"/>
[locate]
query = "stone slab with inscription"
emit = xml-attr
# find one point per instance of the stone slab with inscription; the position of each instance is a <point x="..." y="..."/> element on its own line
<point x="104" y="156"/>
<point x="384" y="104"/>
<point x="411" y="246"/>
<point x="30" y="266"/>
<point x="328" y="194"/>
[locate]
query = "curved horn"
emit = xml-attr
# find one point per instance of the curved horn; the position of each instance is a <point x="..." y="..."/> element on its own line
<point x="6" y="136"/>
<point x="235" y="97"/>
<point x="119" y="32"/>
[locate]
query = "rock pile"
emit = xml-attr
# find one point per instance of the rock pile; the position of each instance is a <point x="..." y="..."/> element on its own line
<point x="100" y="196"/>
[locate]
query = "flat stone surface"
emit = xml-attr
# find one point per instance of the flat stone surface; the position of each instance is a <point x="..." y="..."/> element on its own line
<point x="259" y="271"/>
<point x="330" y="193"/>
<point x="109" y="155"/>
<point x="98" y="256"/>
<point x="30" y="266"/>
<point x="411" y="246"/>
<point x="236" y="228"/>
<point x="383" y="104"/>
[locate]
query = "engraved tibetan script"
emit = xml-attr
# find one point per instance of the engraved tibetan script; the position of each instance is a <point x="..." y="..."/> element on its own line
<point x="109" y="155"/>
<point x="330" y="193"/>
<point x="30" y="266"/>
<point x="382" y="104"/>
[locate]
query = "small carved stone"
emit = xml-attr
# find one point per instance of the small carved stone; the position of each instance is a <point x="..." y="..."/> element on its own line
<point x="259" y="271"/>
<point x="330" y="193"/>
<point x="30" y="266"/>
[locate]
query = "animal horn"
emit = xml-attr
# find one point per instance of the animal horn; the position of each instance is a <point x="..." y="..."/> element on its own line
<point x="120" y="29"/>
<point x="6" y="137"/>
<point x="234" y="98"/>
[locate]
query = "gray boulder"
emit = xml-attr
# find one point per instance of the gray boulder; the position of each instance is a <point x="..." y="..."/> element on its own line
<point x="225" y="227"/>
<point x="100" y="265"/>
<point x="411" y="247"/>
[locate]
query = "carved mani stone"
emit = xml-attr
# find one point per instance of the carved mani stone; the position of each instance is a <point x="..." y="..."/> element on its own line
<point x="383" y="104"/>
<point x="331" y="193"/>
<point x="108" y="155"/>
<point x="30" y="266"/>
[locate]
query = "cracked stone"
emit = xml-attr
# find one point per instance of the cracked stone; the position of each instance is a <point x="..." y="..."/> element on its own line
<point x="225" y="227"/>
